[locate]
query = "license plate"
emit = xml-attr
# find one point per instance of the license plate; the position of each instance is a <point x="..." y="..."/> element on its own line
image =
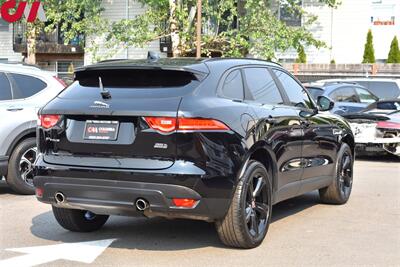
<point x="101" y="130"/>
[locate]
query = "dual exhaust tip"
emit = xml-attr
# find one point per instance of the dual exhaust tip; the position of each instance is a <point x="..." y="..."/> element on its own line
<point x="140" y="203"/>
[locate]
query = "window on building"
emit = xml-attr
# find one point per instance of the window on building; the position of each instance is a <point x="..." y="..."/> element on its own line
<point x="289" y="14"/>
<point x="233" y="86"/>
<point x="5" y="88"/>
<point x="26" y="86"/>
<point x="262" y="86"/>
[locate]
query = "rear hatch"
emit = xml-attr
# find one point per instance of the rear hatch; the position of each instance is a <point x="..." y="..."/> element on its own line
<point x="96" y="131"/>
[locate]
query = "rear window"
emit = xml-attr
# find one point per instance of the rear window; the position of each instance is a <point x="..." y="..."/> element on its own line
<point x="136" y="78"/>
<point x="128" y="83"/>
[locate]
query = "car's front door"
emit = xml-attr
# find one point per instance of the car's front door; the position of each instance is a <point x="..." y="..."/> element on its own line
<point x="319" y="137"/>
<point x="279" y="126"/>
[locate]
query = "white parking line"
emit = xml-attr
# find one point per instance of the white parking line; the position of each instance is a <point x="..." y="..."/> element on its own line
<point x="85" y="252"/>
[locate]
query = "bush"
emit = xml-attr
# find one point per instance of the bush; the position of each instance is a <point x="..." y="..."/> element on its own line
<point x="369" y="53"/>
<point x="333" y="61"/>
<point x="394" y="53"/>
<point x="301" y="55"/>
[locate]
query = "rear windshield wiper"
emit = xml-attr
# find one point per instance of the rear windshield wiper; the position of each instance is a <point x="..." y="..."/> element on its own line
<point x="104" y="93"/>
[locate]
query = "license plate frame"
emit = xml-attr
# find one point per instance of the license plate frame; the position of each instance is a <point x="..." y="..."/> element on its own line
<point x="101" y="130"/>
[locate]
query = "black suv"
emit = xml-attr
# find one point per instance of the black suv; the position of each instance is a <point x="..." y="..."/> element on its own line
<point x="220" y="140"/>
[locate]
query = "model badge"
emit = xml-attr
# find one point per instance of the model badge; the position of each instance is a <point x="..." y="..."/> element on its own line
<point x="99" y="104"/>
<point x="160" y="146"/>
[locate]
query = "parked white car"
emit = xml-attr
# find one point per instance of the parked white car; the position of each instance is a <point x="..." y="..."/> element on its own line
<point x="23" y="91"/>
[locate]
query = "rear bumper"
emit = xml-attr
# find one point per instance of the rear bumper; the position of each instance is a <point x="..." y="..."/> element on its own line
<point x="3" y="165"/>
<point x="119" y="197"/>
<point x="114" y="192"/>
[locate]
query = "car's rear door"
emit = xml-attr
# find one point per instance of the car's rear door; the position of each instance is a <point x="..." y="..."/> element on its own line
<point x="278" y="125"/>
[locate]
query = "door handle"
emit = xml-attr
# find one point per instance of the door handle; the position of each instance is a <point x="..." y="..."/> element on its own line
<point x="12" y="109"/>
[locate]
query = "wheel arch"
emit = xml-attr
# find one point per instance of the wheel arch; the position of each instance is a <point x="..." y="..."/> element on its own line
<point x="264" y="154"/>
<point x="28" y="133"/>
<point x="349" y="139"/>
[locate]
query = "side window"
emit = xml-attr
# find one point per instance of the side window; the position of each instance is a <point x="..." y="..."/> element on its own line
<point x="262" y="86"/>
<point x="365" y="96"/>
<point x="297" y="94"/>
<point x="26" y="86"/>
<point x="344" y="94"/>
<point x="5" y="88"/>
<point x="233" y="86"/>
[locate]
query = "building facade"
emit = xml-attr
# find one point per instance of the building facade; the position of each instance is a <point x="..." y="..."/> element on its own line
<point x="114" y="11"/>
<point x="344" y="30"/>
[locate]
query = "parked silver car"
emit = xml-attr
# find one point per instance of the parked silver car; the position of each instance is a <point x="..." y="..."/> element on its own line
<point x="23" y="91"/>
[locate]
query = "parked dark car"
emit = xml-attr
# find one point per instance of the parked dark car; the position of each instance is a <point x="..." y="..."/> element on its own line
<point x="220" y="140"/>
<point x="348" y="97"/>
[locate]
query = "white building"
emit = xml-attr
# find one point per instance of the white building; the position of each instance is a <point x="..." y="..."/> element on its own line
<point x="344" y="30"/>
<point x="115" y="10"/>
<point x="6" y="43"/>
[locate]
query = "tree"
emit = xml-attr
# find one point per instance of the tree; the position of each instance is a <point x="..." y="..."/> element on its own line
<point x="72" y="17"/>
<point x="394" y="53"/>
<point x="230" y="28"/>
<point x="369" y="53"/>
<point x="301" y="55"/>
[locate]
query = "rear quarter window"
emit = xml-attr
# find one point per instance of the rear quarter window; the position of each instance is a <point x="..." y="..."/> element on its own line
<point x="26" y="86"/>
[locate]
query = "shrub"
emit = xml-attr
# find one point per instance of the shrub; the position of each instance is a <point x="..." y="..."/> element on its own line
<point x="369" y="54"/>
<point x="394" y="53"/>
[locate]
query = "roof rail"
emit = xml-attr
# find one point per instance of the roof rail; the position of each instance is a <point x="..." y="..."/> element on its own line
<point x="341" y="82"/>
<point x="20" y="63"/>
<point x="244" y="58"/>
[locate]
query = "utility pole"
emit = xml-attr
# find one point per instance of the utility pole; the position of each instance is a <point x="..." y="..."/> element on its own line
<point x="198" y="38"/>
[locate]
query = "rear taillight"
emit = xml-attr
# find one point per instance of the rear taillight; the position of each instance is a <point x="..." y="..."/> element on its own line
<point x="184" y="202"/>
<point x="168" y="124"/>
<point x="188" y="124"/>
<point x="162" y="124"/>
<point x="60" y="81"/>
<point x="48" y="121"/>
<point x="388" y="125"/>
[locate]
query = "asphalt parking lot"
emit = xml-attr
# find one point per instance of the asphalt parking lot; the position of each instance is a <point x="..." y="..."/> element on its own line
<point x="365" y="232"/>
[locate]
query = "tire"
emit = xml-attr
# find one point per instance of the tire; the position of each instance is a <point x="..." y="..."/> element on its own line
<point x="20" y="173"/>
<point x="237" y="228"/>
<point x="79" y="220"/>
<point x="338" y="192"/>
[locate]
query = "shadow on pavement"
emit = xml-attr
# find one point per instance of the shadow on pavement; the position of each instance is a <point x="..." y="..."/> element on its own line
<point x="157" y="234"/>
<point x="5" y="189"/>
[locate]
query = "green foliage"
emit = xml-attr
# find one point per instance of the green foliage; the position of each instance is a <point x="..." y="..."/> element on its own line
<point x="260" y="32"/>
<point x="333" y="61"/>
<point x="369" y="53"/>
<point x="301" y="55"/>
<point x="394" y="53"/>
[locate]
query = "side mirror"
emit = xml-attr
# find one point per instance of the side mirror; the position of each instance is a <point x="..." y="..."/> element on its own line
<point x="325" y="103"/>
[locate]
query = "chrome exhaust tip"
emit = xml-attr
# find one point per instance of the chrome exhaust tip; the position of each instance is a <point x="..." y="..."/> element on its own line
<point x="141" y="204"/>
<point x="59" y="197"/>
